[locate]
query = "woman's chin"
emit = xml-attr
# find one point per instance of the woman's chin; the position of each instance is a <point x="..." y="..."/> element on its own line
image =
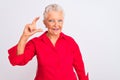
<point x="56" y="32"/>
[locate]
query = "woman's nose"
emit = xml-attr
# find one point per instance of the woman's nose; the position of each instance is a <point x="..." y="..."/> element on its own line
<point x="56" y="23"/>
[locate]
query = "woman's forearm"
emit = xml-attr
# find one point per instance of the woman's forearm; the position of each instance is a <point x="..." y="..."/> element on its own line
<point x="21" y="44"/>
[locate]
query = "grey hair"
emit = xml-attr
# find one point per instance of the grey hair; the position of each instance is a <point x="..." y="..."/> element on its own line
<point x="52" y="7"/>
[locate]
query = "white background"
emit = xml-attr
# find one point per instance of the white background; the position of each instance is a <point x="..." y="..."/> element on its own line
<point x="94" y="24"/>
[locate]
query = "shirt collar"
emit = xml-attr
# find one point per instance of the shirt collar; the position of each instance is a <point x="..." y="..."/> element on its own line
<point x="44" y="36"/>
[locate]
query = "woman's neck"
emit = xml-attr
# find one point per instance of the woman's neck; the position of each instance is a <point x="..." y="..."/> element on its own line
<point x="53" y="38"/>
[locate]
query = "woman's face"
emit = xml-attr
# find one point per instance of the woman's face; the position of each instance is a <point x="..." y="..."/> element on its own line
<point x="54" y="22"/>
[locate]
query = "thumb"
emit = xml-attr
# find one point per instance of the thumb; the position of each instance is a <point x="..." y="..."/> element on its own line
<point x="37" y="30"/>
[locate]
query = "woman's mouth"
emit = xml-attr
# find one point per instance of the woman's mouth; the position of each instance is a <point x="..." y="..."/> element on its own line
<point x="55" y="29"/>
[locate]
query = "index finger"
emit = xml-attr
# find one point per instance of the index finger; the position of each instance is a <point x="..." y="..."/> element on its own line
<point x="35" y="20"/>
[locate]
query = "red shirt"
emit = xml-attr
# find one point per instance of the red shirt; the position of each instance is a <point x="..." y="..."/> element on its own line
<point x="54" y="62"/>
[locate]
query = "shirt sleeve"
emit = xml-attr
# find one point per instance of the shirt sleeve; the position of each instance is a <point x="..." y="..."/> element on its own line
<point x="78" y="63"/>
<point x="22" y="59"/>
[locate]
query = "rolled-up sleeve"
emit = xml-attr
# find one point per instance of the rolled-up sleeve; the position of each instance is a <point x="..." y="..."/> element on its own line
<point x="22" y="59"/>
<point x="78" y="63"/>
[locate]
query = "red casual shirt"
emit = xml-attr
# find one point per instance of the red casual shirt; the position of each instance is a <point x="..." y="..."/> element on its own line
<point x="54" y="62"/>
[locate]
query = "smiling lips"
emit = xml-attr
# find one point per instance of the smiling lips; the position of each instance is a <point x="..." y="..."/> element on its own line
<point x="55" y="29"/>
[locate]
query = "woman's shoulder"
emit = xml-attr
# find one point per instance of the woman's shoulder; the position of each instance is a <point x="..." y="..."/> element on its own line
<point x="35" y="39"/>
<point x="70" y="40"/>
<point x="68" y="37"/>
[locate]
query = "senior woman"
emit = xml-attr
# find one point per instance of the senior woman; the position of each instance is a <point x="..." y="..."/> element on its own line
<point x="57" y="54"/>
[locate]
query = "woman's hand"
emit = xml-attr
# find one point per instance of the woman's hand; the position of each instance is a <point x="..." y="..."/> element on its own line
<point x="31" y="29"/>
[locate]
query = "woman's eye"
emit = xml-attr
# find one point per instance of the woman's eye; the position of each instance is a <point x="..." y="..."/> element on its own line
<point x="60" y="20"/>
<point x="51" y="20"/>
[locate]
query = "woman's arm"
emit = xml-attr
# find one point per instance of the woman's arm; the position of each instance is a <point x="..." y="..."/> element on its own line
<point x="29" y="30"/>
<point x="24" y="51"/>
<point x="78" y="63"/>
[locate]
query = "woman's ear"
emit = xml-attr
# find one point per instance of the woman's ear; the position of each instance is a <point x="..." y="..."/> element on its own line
<point x="45" y="23"/>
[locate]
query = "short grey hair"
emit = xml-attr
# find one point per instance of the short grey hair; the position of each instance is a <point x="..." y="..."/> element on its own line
<point x="52" y="7"/>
